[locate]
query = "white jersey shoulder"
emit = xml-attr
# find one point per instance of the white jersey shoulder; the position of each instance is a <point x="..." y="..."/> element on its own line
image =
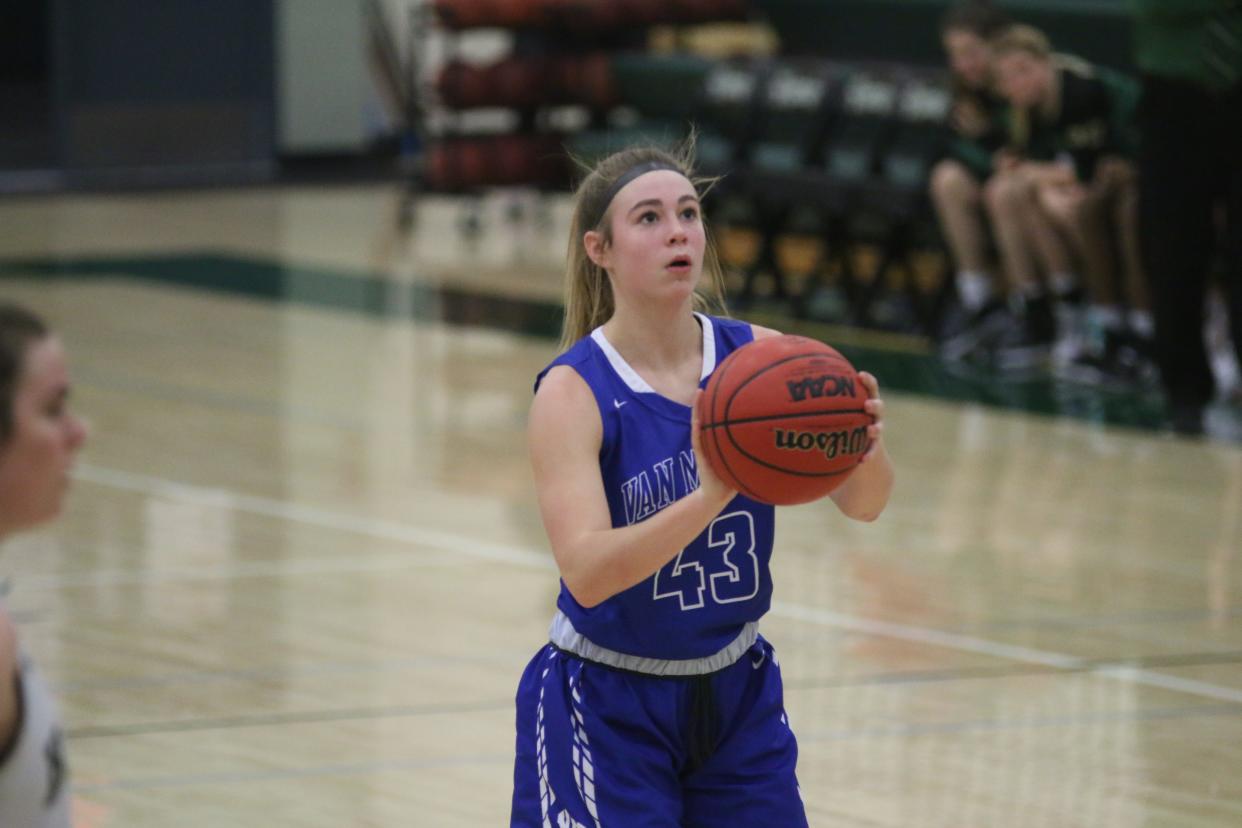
<point x="34" y="778"/>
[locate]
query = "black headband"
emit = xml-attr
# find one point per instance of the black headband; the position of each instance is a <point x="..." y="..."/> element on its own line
<point x="625" y="178"/>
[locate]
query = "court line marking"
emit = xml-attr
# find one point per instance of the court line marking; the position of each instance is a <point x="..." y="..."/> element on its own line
<point x="307" y="670"/>
<point x="319" y="518"/>
<point x="508" y="553"/>
<point x="236" y="777"/>
<point x="273" y="719"/>
<point x="1002" y="672"/>
<point x="233" y="572"/>
<point x="902" y="730"/>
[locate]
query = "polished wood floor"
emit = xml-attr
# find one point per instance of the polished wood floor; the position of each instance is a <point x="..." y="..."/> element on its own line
<point x="302" y="568"/>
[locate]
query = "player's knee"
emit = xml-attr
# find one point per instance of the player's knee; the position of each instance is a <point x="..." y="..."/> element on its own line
<point x="1002" y="193"/>
<point x="952" y="183"/>
<point x="1116" y="172"/>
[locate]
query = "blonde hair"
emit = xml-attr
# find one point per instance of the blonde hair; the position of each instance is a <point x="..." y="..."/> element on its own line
<point x="588" y="293"/>
<point x="1022" y="38"/>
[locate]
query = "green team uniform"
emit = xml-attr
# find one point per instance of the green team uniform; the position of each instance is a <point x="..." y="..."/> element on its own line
<point x="975" y="151"/>
<point x="1094" y="117"/>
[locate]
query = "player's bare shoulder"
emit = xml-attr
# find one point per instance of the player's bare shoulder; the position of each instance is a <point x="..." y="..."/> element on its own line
<point x="562" y="386"/>
<point x="564" y="405"/>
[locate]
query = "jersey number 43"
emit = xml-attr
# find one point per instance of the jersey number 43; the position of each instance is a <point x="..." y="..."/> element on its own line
<point x="731" y="577"/>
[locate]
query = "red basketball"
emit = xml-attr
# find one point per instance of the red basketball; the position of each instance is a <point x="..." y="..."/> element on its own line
<point x="782" y="420"/>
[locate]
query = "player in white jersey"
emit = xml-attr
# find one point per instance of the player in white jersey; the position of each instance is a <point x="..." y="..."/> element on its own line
<point x="39" y="438"/>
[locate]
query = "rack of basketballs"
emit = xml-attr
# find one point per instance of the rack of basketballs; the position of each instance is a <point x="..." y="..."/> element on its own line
<point x="565" y="53"/>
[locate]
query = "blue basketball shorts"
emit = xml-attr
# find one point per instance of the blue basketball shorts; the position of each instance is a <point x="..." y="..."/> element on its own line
<point x="605" y="748"/>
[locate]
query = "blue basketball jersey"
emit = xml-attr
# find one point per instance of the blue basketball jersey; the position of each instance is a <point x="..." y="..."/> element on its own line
<point x="700" y="601"/>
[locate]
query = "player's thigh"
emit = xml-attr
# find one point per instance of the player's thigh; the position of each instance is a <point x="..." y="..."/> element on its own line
<point x="750" y="781"/>
<point x="1064" y="206"/>
<point x="954" y="186"/>
<point x="590" y="751"/>
<point x="752" y="803"/>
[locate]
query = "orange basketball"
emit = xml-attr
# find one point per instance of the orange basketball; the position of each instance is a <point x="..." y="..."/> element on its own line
<point x="782" y="420"/>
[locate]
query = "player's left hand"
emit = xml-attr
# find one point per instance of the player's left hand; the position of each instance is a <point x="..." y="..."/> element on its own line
<point x="875" y="407"/>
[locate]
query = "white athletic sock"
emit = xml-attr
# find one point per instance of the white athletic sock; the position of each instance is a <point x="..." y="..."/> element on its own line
<point x="1141" y="323"/>
<point x="974" y="288"/>
<point x="1106" y="317"/>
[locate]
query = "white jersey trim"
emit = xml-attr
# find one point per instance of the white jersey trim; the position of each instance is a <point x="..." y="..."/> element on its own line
<point x="709" y="346"/>
<point x="34" y="783"/>
<point x="631" y="378"/>
<point x="565" y="637"/>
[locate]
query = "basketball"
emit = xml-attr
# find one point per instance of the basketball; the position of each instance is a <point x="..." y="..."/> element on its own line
<point x="782" y="420"/>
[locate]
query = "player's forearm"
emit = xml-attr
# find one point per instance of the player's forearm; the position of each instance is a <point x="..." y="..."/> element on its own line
<point x="600" y="564"/>
<point x="865" y="494"/>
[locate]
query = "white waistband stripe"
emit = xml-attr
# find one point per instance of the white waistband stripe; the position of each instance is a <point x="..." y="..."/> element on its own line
<point x="566" y="638"/>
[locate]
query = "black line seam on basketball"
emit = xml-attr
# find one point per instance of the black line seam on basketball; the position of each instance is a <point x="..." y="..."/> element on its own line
<point x="724" y="368"/>
<point x="778" y="363"/>
<point x="729" y="403"/>
<point x="767" y="417"/>
<point x="764" y="370"/>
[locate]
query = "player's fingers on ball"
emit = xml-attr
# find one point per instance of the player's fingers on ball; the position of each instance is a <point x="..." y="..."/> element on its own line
<point x="870" y="383"/>
<point x="874" y="407"/>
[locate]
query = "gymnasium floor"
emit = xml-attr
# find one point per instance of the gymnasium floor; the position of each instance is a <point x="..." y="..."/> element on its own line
<point x="302" y="568"/>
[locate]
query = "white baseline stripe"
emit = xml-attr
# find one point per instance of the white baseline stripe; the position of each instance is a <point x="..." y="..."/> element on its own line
<point x="924" y="635"/>
<point x="1167" y="682"/>
<point x="312" y="771"/>
<point x="284" y="510"/>
<point x="230" y="572"/>
<point x="519" y="556"/>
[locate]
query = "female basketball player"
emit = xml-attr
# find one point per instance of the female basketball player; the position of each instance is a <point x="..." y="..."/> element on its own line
<point x="1072" y="128"/>
<point x="39" y="438"/>
<point x="656" y="703"/>
<point x="956" y="182"/>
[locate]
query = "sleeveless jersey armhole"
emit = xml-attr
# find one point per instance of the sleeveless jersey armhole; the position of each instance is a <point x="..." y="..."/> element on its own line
<point x="608" y="423"/>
